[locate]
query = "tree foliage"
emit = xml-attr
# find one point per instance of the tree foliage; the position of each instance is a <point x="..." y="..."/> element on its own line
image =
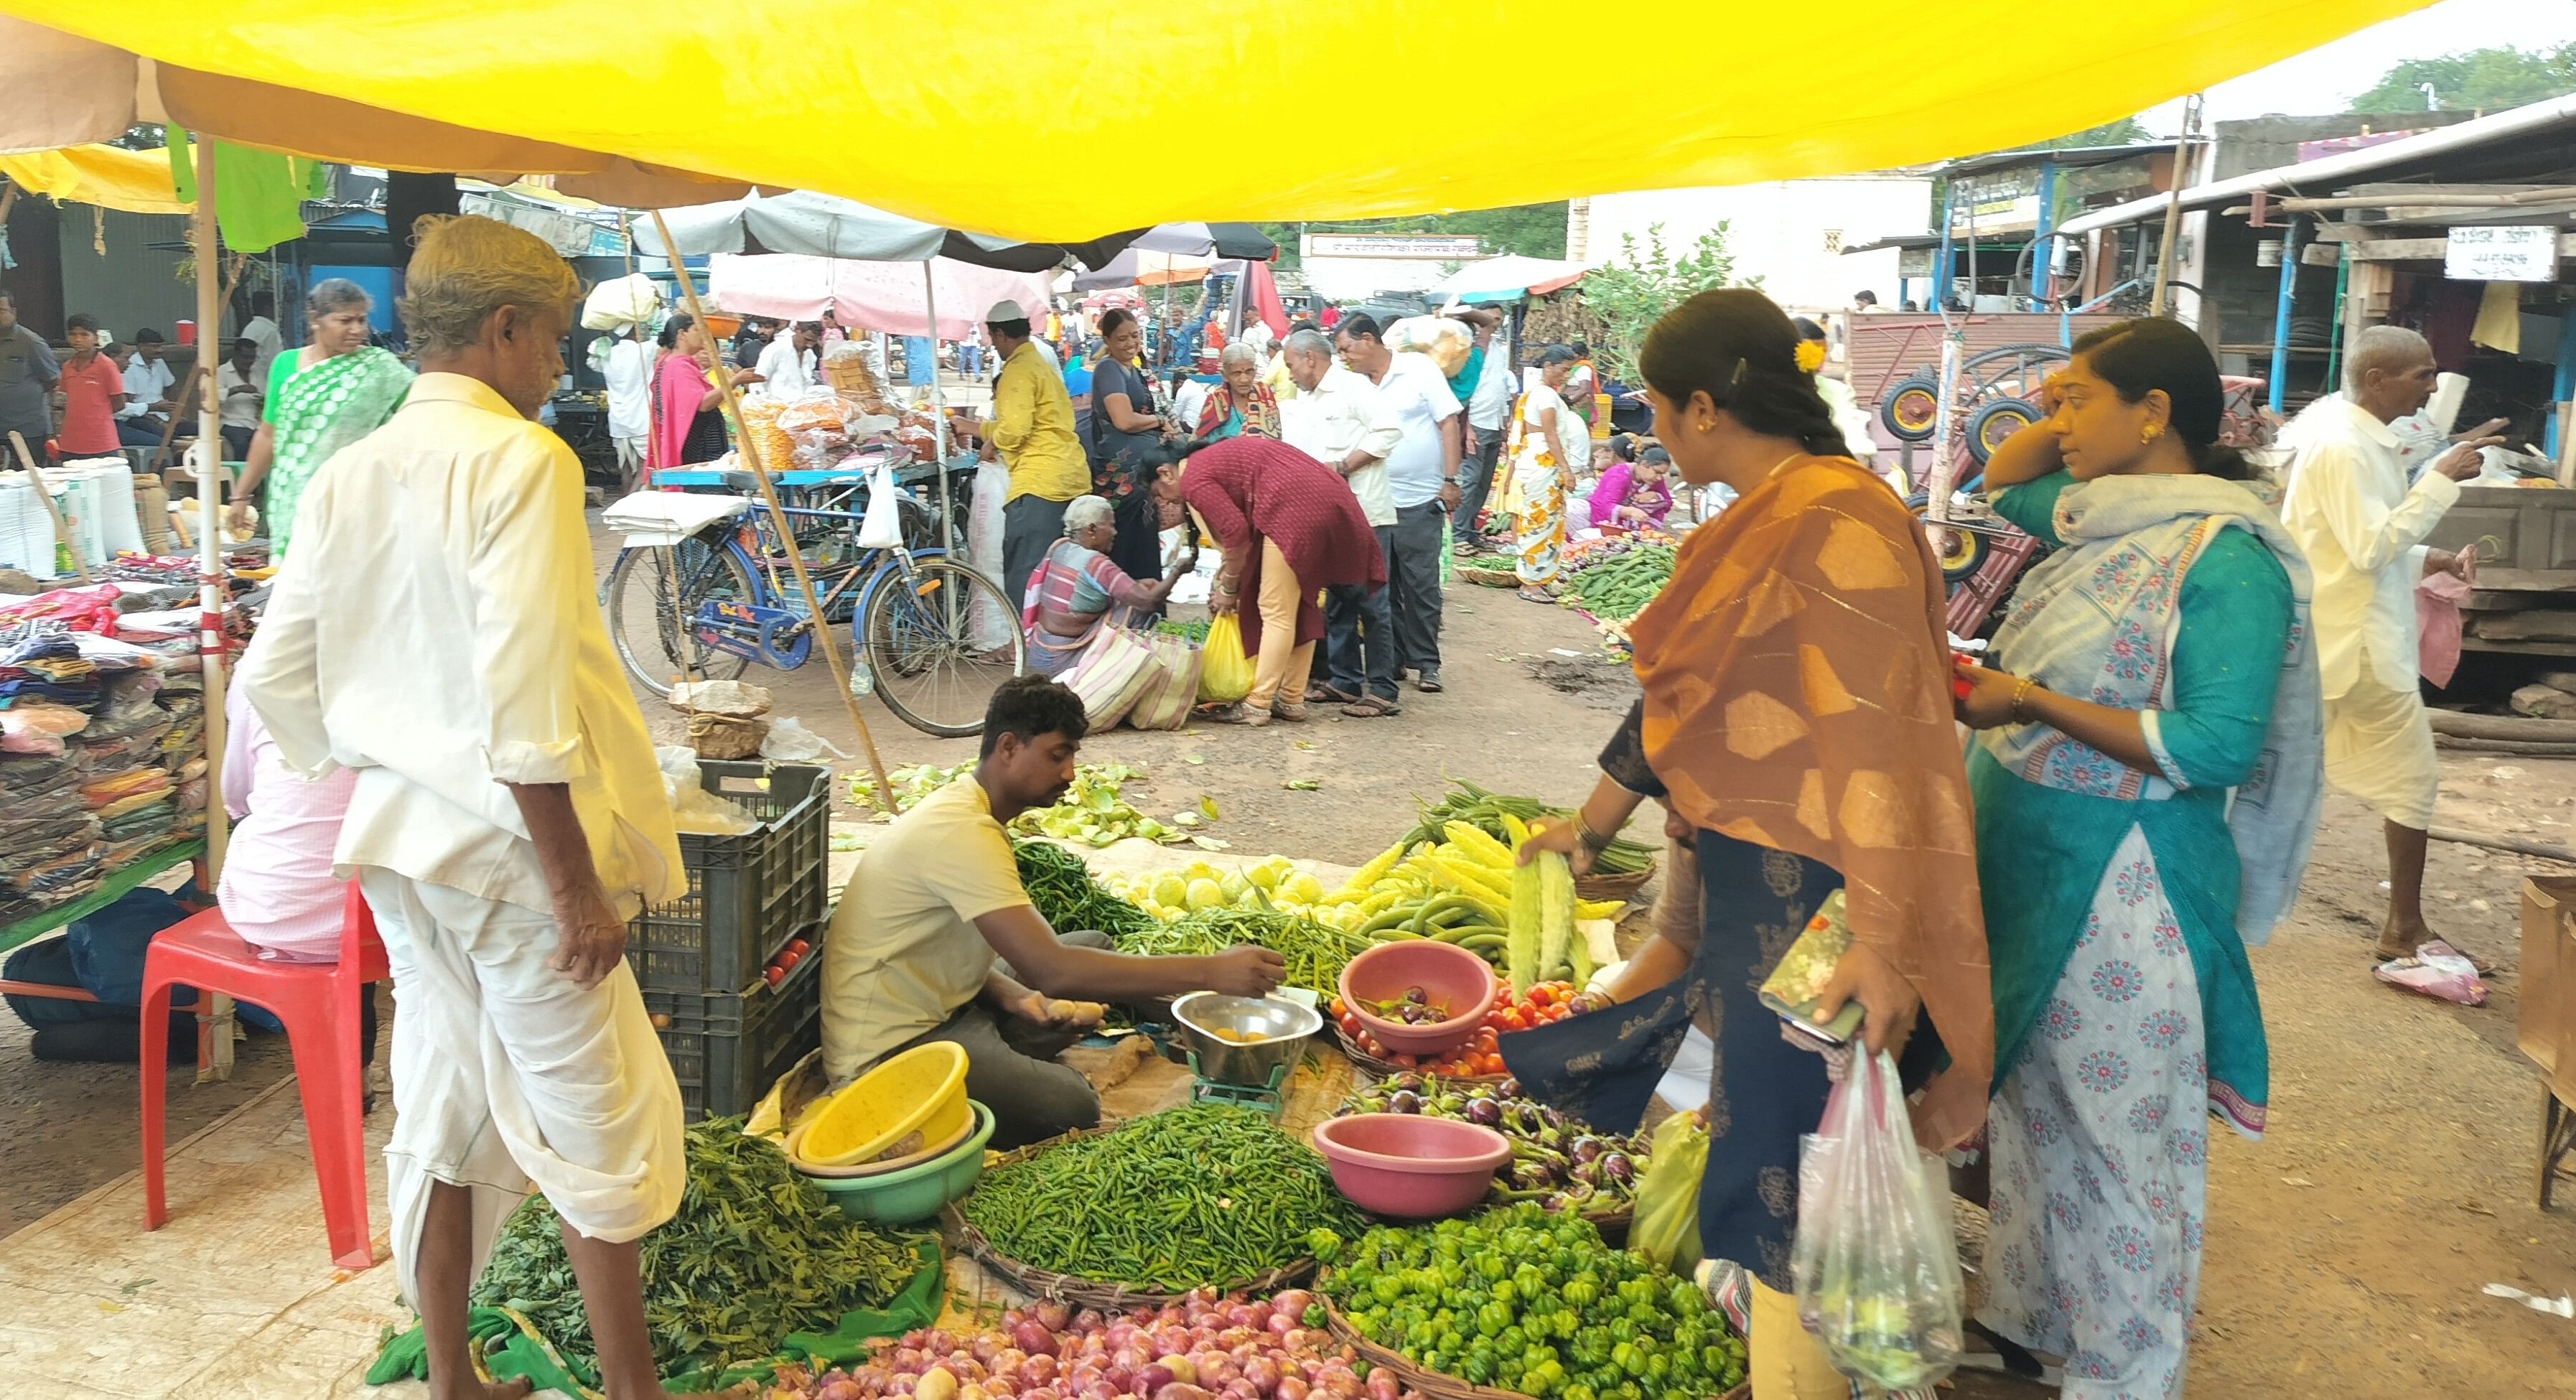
<point x="2477" y="79"/>
<point x="1632" y="291"/>
<point x="1531" y="230"/>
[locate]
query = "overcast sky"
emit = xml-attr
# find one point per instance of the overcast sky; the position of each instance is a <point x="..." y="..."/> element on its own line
<point x="2326" y="79"/>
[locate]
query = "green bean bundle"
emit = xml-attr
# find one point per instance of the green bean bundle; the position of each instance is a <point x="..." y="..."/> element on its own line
<point x="1195" y="1197"/>
<point x="1315" y="952"/>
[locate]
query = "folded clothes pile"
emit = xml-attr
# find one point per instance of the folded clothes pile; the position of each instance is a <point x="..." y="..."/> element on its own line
<point x="51" y="842"/>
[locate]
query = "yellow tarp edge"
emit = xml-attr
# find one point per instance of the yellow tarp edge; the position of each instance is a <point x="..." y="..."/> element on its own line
<point x="1026" y="119"/>
<point x="137" y="182"/>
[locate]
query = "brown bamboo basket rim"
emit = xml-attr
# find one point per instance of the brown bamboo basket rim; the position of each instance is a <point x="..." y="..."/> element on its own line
<point x="1599" y="887"/>
<point x="1072" y="1288"/>
<point x="1439" y="1384"/>
<point x="1490" y="578"/>
<point x="1381" y="1069"/>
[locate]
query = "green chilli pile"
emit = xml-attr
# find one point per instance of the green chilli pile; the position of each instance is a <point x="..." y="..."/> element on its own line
<point x="1061" y="887"/>
<point x="1197" y="1197"/>
<point x="1620" y="588"/>
<point x="755" y="1253"/>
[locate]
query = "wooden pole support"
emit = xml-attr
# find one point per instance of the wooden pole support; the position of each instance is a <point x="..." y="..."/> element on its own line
<point x="62" y="527"/>
<point x="786" y="533"/>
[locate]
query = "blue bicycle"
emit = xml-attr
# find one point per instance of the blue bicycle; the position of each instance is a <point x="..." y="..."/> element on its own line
<point x="929" y="635"/>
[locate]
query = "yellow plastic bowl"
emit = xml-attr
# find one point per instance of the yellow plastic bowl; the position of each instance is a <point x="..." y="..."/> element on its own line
<point x="922" y="1090"/>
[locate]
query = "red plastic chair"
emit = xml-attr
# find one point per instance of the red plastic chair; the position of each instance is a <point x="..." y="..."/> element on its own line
<point x="320" y="1007"/>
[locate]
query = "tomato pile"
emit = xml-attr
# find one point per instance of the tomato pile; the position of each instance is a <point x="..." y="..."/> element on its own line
<point x="786" y="961"/>
<point x="1480" y="1057"/>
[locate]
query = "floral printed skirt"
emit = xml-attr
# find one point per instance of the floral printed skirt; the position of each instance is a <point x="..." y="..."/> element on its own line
<point x="1541" y="522"/>
<point x="2101" y="1152"/>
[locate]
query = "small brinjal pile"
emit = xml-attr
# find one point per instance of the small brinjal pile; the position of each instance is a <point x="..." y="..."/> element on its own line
<point x="1556" y="1160"/>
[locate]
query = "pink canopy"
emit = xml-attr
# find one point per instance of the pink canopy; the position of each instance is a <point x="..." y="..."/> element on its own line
<point x="877" y="296"/>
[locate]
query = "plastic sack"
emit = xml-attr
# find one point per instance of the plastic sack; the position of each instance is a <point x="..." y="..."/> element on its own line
<point x="883" y="526"/>
<point x="1173" y="691"/>
<point x="790" y="741"/>
<point x="2437" y="970"/>
<point x="1666" y="1227"/>
<point x="695" y="810"/>
<point x="1225" y="673"/>
<point x="1110" y="674"/>
<point x="1448" y="342"/>
<point x="620" y="302"/>
<point x="992" y="619"/>
<point x="1876" y="1268"/>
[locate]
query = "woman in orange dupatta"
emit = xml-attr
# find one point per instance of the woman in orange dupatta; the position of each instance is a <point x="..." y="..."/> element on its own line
<point x="1796" y="727"/>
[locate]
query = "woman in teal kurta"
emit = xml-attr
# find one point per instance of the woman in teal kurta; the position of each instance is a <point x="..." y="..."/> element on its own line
<point x="2146" y="782"/>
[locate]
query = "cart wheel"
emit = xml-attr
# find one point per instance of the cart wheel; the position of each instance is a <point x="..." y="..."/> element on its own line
<point x="1992" y="423"/>
<point x="1910" y="407"/>
<point x="1961" y="552"/>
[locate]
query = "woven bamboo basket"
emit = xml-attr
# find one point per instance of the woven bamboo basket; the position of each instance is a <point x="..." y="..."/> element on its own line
<point x="1599" y="887"/>
<point x="1370" y="1068"/>
<point x="1490" y="578"/>
<point x="1436" y="1385"/>
<point x="1092" y="1293"/>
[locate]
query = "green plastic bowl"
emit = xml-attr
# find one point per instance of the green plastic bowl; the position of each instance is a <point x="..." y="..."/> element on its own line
<point x="916" y="1193"/>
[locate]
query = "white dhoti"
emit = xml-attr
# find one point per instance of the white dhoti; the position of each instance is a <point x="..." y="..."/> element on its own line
<point x="508" y="1076"/>
<point x="2379" y="748"/>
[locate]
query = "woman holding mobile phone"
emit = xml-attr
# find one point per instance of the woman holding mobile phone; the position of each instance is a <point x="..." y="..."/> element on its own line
<point x="1795" y="727"/>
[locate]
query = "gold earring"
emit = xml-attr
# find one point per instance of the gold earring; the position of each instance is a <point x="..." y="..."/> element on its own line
<point x="2149" y="433"/>
<point x="1705" y="427"/>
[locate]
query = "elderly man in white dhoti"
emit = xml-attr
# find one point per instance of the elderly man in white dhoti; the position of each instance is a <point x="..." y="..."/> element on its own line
<point x="434" y="631"/>
<point x="2363" y="527"/>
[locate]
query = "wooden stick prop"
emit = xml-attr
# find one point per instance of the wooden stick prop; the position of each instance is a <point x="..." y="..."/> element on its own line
<point x="750" y="448"/>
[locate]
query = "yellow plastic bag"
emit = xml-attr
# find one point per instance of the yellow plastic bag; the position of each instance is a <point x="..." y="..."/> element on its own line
<point x="1666" y="1227"/>
<point x="1225" y="673"/>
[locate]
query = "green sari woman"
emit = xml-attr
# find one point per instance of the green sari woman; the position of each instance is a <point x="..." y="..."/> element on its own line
<point x="323" y="396"/>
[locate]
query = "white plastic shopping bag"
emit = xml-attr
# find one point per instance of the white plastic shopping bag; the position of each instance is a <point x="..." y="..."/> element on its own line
<point x="1877" y="1271"/>
<point x="992" y="621"/>
<point x="883" y="526"/>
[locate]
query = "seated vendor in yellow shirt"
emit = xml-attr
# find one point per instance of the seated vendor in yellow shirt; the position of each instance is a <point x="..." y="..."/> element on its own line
<point x="935" y="939"/>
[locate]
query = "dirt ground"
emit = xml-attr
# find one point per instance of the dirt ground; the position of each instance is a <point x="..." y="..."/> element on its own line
<point x="2346" y="1252"/>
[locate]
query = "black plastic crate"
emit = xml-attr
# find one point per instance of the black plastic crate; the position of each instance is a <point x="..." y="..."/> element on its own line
<point x="727" y="1048"/>
<point x="748" y="894"/>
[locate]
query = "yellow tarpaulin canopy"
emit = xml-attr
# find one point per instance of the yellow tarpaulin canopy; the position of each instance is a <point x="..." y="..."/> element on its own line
<point x="137" y="182"/>
<point x="1013" y="117"/>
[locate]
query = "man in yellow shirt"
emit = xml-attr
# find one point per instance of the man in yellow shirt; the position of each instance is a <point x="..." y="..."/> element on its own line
<point x="1032" y="431"/>
<point x="935" y="938"/>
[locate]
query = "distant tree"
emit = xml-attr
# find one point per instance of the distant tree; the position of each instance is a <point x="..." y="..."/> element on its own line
<point x="2478" y="79"/>
<point x="1531" y="230"/>
<point x="1632" y="291"/>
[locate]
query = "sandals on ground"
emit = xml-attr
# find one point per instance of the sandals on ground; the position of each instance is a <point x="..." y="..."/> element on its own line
<point x="1372" y="708"/>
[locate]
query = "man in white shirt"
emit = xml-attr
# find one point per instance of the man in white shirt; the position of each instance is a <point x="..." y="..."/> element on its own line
<point x="1489" y="412"/>
<point x="790" y="364"/>
<point x="2363" y="529"/>
<point x="262" y="331"/>
<point x="1337" y="419"/>
<point x="435" y="631"/>
<point x="1421" y="474"/>
<point x="147" y="410"/>
<point x="627" y="366"/>
<point x="242" y="397"/>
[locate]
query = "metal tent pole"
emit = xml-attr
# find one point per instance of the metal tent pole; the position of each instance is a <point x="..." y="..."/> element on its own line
<point x="939" y="411"/>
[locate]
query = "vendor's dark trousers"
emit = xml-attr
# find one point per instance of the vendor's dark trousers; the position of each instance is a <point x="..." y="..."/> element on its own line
<point x="1030" y="527"/>
<point x="1476" y="483"/>
<point x="142" y="430"/>
<point x="1011" y="1067"/>
<point x="1413" y="577"/>
<point x="1359" y="632"/>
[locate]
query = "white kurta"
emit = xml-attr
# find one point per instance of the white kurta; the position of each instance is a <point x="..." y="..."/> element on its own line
<point x="435" y="632"/>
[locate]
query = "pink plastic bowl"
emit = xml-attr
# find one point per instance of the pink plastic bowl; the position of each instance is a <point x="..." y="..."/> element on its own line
<point x="1450" y="975"/>
<point x="1409" y="1166"/>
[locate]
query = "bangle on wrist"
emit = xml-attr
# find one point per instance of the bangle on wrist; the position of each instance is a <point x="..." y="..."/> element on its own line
<point x="2021" y="696"/>
<point x="1593" y="841"/>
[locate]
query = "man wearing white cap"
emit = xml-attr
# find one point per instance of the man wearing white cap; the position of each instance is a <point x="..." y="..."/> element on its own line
<point x="1031" y="430"/>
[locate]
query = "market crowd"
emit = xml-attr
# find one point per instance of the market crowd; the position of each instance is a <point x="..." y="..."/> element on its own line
<point x="2048" y="930"/>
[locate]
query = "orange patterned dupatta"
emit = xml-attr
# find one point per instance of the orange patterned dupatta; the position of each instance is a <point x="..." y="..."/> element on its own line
<point x="1797" y="697"/>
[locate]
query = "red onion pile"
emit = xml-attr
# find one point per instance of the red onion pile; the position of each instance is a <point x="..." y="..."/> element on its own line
<point x="1202" y="1348"/>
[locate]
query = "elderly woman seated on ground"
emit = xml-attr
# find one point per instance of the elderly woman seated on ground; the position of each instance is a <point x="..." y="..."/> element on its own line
<point x="1076" y="588"/>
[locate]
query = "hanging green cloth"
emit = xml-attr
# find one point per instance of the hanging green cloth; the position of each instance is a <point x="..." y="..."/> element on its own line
<point x="259" y="195"/>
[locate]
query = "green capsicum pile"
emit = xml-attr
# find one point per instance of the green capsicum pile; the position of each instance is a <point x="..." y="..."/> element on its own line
<point x="1535" y="1303"/>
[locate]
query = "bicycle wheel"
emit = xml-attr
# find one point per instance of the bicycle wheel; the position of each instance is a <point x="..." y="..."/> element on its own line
<point x="650" y="596"/>
<point x="919" y="634"/>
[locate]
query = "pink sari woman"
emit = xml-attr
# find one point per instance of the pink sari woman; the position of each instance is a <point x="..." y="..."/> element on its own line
<point x="688" y="424"/>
